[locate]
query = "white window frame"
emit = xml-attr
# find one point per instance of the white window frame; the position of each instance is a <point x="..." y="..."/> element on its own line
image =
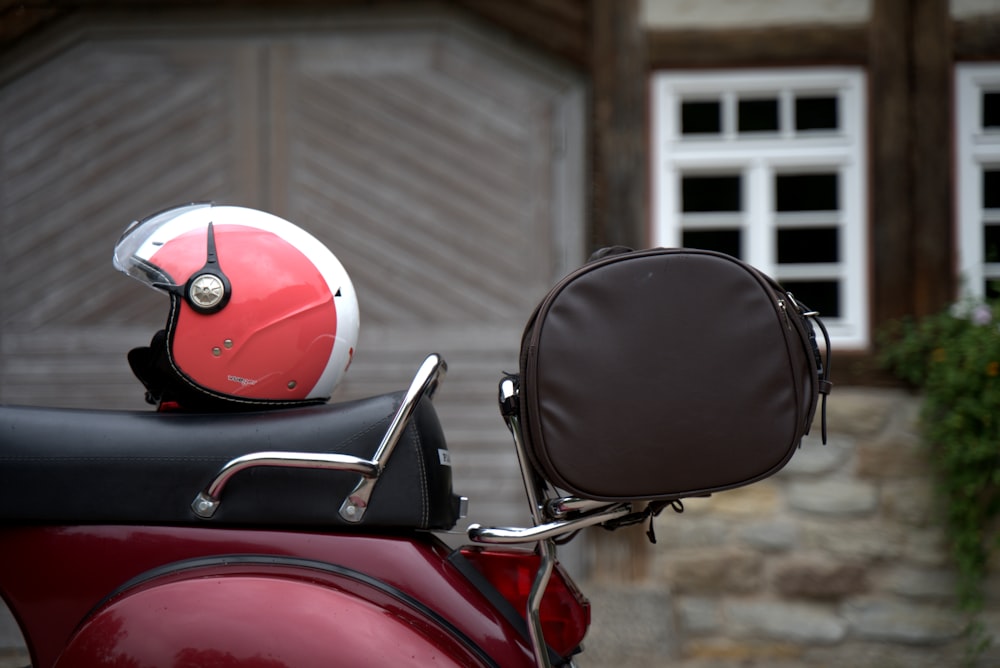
<point x="977" y="149"/>
<point x="759" y="156"/>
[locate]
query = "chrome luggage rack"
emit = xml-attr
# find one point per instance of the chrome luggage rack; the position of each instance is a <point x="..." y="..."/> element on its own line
<point x="553" y="518"/>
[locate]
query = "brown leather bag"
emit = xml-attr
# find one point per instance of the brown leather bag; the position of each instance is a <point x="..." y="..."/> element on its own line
<point x="667" y="373"/>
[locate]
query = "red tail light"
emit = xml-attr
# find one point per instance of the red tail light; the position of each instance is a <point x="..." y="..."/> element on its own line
<point x="564" y="612"/>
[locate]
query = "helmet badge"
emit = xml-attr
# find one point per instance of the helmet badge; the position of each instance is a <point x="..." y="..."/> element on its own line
<point x="208" y="290"/>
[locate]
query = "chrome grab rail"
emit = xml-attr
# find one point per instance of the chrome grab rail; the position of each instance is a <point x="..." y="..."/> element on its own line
<point x="426" y="381"/>
<point x="547" y="531"/>
<point x="560" y="508"/>
<point x="208" y="500"/>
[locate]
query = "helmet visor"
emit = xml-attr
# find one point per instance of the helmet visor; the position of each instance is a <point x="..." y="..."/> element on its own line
<point x="142" y="238"/>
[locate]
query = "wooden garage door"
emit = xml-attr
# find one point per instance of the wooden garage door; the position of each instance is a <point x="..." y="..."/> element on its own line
<point x="441" y="165"/>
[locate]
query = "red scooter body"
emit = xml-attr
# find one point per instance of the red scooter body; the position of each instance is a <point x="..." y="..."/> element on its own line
<point x="149" y="540"/>
<point x="162" y="596"/>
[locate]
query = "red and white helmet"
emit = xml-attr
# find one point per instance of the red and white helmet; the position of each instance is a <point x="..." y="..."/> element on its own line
<point x="261" y="313"/>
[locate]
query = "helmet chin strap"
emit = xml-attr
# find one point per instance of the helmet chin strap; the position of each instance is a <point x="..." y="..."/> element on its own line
<point x="147" y="365"/>
<point x="207" y="290"/>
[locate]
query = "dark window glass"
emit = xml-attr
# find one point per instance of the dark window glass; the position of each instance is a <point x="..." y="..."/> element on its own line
<point x="703" y="117"/>
<point x="991" y="243"/>
<point x="723" y="241"/>
<point x="816" y="113"/>
<point x="991" y="289"/>
<point x="822" y="296"/>
<point x="806" y="192"/>
<point x="758" y="115"/>
<point x="991" y="189"/>
<point x="798" y="246"/>
<point x="711" y="193"/>
<point x="991" y="110"/>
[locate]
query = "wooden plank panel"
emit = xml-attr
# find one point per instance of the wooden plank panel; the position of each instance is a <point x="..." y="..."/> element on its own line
<point x="977" y="38"/>
<point x="620" y="101"/>
<point x="429" y="191"/>
<point x="560" y="26"/>
<point x="934" y="281"/>
<point x="778" y="46"/>
<point x="112" y="146"/>
<point x="79" y="367"/>
<point x="387" y="165"/>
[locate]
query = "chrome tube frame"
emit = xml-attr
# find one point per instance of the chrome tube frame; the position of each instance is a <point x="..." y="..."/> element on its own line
<point x="567" y="506"/>
<point x="208" y="500"/>
<point x="547" y="550"/>
<point x="553" y="518"/>
<point x="425" y="383"/>
<point x="546" y="531"/>
<point x="533" y="486"/>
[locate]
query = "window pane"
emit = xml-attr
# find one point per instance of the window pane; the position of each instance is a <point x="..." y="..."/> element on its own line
<point x="991" y="243"/>
<point x="723" y="241"/>
<point x="991" y="110"/>
<point x="806" y="192"/>
<point x="816" y="113"/>
<point x="758" y="115"/>
<point x="701" y="117"/>
<point x="822" y="296"/>
<point x="991" y="188"/>
<point x="711" y="193"/>
<point x="991" y="289"/>
<point x="798" y="246"/>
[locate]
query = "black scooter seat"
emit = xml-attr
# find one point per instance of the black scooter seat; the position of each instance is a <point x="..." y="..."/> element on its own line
<point x="71" y="466"/>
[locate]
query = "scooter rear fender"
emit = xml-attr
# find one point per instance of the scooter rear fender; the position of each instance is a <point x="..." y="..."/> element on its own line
<point x="264" y="613"/>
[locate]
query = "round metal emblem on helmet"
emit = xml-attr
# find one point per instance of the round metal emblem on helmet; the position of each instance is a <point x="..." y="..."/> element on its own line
<point x="206" y="291"/>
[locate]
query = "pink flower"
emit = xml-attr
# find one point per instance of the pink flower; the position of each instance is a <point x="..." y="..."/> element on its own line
<point x="981" y="315"/>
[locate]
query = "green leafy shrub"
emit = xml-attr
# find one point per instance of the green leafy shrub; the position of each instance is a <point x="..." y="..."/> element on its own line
<point x="953" y="357"/>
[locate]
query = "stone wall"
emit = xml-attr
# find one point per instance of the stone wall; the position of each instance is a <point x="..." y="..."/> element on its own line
<point x="838" y="560"/>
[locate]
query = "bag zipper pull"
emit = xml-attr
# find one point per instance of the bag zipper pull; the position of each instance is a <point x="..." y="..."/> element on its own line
<point x="784" y="312"/>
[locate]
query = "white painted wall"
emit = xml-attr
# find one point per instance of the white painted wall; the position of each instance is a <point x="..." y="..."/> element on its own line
<point x="681" y="14"/>
<point x="963" y="9"/>
<point x="674" y="14"/>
